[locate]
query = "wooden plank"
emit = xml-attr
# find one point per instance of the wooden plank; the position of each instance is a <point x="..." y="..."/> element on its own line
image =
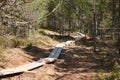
<point x="69" y="42"/>
<point x="61" y="45"/>
<point x="58" y="50"/>
<point x="81" y="34"/>
<point x="58" y="53"/>
<point x="53" y="52"/>
<point x="26" y="67"/>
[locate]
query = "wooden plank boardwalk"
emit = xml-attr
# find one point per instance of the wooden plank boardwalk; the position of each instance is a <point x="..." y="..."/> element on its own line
<point x="52" y="57"/>
<point x="30" y="66"/>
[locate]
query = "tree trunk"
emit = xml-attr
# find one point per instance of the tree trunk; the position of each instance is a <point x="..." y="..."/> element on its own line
<point x="119" y="29"/>
<point x="94" y="26"/>
<point x="113" y="18"/>
<point x="69" y="25"/>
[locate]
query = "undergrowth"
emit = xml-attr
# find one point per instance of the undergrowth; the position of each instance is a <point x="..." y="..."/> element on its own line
<point x="112" y="61"/>
<point x="40" y="30"/>
<point x="36" y="39"/>
<point x="113" y="75"/>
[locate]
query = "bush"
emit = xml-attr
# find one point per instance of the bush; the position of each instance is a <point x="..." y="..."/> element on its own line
<point x="41" y="30"/>
<point x="115" y="75"/>
<point x="113" y="60"/>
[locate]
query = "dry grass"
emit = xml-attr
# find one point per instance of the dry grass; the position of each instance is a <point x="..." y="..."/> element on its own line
<point x="2" y="59"/>
<point x="43" y="40"/>
<point x="36" y="39"/>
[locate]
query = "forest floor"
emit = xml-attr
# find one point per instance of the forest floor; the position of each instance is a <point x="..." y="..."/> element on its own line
<point x="77" y="62"/>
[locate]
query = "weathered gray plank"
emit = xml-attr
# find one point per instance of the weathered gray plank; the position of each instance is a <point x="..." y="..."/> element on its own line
<point x="53" y="52"/>
<point x="26" y="67"/>
<point x="58" y="53"/>
<point x="81" y="34"/>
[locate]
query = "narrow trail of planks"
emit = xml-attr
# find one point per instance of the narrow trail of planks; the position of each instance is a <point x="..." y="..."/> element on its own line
<point x="51" y="58"/>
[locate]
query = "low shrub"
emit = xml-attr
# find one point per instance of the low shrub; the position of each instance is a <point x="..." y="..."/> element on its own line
<point x="41" y="30"/>
<point x="114" y="75"/>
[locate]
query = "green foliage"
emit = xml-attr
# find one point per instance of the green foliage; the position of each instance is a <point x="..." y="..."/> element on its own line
<point x="40" y="30"/>
<point x="114" y="75"/>
<point x="101" y="72"/>
<point x="113" y="60"/>
<point x="106" y="23"/>
<point x="100" y="75"/>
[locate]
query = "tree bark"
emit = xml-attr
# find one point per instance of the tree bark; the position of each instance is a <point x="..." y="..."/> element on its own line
<point x="94" y="26"/>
